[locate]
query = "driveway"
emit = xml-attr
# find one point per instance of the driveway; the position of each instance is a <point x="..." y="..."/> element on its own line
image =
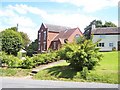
<point x="28" y="83"/>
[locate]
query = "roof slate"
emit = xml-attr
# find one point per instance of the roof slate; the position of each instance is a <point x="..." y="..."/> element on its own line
<point x="55" y="28"/>
<point x="65" y="34"/>
<point x="106" y="30"/>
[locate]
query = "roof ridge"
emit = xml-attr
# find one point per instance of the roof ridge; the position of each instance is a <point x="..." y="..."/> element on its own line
<point x="56" y="25"/>
<point x="105" y="27"/>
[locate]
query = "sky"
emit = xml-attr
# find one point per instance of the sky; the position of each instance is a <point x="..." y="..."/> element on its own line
<point x="29" y="14"/>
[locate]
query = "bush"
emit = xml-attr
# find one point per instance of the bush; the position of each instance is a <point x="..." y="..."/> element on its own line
<point x="45" y="58"/>
<point x="19" y="55"/>
<point x="27" y="63"/>
<point x="114" y="49"/>
<point x="84" y="73"/>
<point x="80" y="55"/>
<point x="10" y="60"/>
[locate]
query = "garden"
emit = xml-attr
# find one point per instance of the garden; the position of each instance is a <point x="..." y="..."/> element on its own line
<point x="83" y="61"/>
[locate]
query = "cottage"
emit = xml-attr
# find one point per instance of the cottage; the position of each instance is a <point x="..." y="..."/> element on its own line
<point x="53" y="36"/>
<point x="109" y="38"/>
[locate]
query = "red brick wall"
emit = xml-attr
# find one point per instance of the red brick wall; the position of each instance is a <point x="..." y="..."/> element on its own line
<point x="51" y="36"/>
<point x="72" y="37"/>
<point x="41" y="30"/>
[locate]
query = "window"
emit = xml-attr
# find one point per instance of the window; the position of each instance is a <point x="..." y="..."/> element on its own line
<point x="39" y="46"/>
<point x="44" y="45"/>
<point x="100" y="45"/>
<point x="65" y="40"/>
<point x="77" y="36"/>
<point x="39" y="36"/>
<point x="54" y="45"/>
<point x="110" y="44"/>
<point x="102" y="36"/>
<point x="44" y="35"/>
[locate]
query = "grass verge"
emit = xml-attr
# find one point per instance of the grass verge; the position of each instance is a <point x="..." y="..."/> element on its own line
<point x="15" y="72"/>
<point x="106" y="72"/>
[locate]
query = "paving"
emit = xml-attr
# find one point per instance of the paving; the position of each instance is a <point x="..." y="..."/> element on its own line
<point x="41" y="67"/>
<point x="29" y="83"/>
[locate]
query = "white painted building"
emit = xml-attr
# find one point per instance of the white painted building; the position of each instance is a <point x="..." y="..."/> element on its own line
<point x="110" y="38"/>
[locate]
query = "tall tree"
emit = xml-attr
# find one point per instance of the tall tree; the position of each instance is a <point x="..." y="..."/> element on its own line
<point x="109" y="24"/>
<point x="98" y="23"/>
<point x="12" y="28"/>
<point x="25" y="39"/>
<point x="11" y="41"/>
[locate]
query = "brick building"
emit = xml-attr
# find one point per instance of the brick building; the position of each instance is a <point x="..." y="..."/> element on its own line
<point x="53" y="36"/>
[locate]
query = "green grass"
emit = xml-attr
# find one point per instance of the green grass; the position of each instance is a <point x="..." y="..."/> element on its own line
<point x="106" y="72"/>
<point x="17" y="72"/>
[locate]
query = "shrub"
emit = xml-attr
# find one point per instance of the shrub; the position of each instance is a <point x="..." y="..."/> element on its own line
<point x="114" y="49"/>
<point x="10" y="60"/>
<point x="27" y="63"/>
<point x="45" y="58"/>
<point x="19" y="55"/>
<point x="80" y="55"/>
<point x="84" y="73"/>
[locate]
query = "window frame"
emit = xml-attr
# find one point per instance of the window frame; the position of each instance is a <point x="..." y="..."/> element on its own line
<point x="45" y="35"/>
<point x="111" y="44"/>
<point x="44" y="45"/>
<point x="39" y="46"/>
<point x="54" y="45"/>
<point x="101" y="44"/>
<point x="39" y="36"/>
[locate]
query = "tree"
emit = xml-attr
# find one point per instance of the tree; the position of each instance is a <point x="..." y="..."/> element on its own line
<point x="109" y="24"/>
<point x="25" y="39"/>
<point x="11" y="41"/>
<point x="32" y="48"/>
<point x="12" y="28"/>
<point x="98" y="23"/>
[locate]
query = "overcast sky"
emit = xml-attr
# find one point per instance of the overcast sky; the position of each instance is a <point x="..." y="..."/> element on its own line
<point x="73" y="13"/>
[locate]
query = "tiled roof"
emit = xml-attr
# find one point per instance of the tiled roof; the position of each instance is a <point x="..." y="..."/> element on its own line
<point x="65" y="34"/>
<point x="55" y="28"/>
<point x="106" y="30"/>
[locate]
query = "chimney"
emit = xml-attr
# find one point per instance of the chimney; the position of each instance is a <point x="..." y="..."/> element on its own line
<point x="93" y="26"/>
<point x="17" y="27"/>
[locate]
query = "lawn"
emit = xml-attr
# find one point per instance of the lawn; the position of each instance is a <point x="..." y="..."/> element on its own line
<point x="15" y="72"/>
<point x="106" y="72"/>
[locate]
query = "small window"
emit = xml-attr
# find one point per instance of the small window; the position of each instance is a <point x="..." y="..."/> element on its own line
<point x="77" y="36"/>
<point x="54" y="45"/>
<point x="110" y="44"/>
<point x="44" y="35"/>
<point x="102" y="36"/>
<point x="39" y="36"/>
<point x="100" y="45"/>
<point x="39" y="46"/>
<point x="65" y="40"/>
<point x="44" y="45"/>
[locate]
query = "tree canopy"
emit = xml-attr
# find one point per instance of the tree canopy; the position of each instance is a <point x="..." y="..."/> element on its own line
<point x="109" y="24"/>
<point x="32" y="48"/>
<point x="25" y="39"/>
<point x="12" y="28"/>
<point x="11" y="41"/>
<point x="106" y="24"/>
